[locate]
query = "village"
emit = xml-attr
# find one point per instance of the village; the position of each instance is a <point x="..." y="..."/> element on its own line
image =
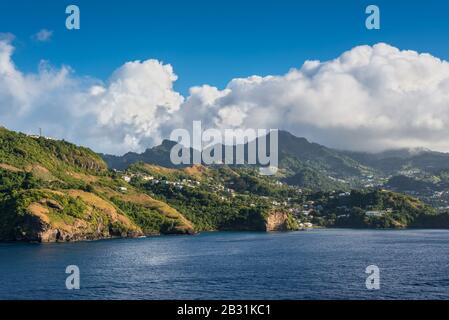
<point x="302" y="208"/>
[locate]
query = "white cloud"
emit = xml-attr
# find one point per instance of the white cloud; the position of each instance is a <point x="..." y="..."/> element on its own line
<point x="369" y="98"/>
<point x="122" y="115"/>
<point x="43" y="35"/>
<point x="138" y="99"/>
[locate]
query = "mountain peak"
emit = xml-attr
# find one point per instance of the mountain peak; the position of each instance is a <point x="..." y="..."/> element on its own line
<point x="166" y="143"/>
<point x="287" y="135"/>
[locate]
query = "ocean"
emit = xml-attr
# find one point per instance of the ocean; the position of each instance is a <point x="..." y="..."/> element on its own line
<point x="316" y="264"/>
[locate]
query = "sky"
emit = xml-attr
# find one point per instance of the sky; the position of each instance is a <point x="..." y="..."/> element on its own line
<point x="138" y="69"/>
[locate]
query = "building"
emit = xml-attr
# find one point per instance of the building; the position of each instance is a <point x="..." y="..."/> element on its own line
<point x="374" y="213"/>
<point x="306" y="212"/>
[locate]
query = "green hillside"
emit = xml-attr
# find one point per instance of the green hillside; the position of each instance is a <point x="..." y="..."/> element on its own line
<point x="216" y="198"/>
<point x="56" y="191"/>
<point x="59" y="157"/>
<point x="302" y="163"/>
<point x="372" y="209"/>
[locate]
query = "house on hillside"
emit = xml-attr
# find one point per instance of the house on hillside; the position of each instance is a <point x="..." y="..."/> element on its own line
<point x="374" y="213"/>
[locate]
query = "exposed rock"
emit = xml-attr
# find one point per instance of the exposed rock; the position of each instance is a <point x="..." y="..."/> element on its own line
<point x="36" y="226"/>
<point x="52" y="204"/>
<point x="279" y="221"/>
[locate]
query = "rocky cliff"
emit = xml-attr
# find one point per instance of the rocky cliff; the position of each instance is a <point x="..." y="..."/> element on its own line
<point x="280" y="221"/>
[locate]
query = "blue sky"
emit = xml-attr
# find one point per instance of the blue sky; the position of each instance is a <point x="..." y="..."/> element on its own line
<point x="373" y="90"/>
<point x="214" y="41"/>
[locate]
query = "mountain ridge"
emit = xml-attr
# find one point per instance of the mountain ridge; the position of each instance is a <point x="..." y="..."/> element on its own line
<point x="300" y="159"/>
<point x="55" y="191"/>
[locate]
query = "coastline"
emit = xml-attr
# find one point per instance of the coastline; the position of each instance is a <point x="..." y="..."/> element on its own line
<point x="315" y="228"/>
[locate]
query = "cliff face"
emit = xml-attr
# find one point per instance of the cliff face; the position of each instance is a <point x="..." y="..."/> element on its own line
<point x="280" y="221"/>
<point x="44" y="215"/>
<point x="37" y="229"/>
<point x="267" y="222"/>
<point x="72" y="215"/>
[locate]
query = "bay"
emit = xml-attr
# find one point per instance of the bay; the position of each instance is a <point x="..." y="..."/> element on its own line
<point x="317" y="264"/>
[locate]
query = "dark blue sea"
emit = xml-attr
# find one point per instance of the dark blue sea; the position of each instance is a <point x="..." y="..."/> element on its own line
<point x="318" y="264"/>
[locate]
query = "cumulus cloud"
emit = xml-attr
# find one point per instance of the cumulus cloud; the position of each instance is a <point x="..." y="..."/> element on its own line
<point x="121" y="115"/>
<point x="136" y="102"/>
<point x="369" y="98"/>
<point x="43" y="35"/>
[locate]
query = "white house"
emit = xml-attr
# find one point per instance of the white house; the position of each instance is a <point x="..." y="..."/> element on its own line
<point x="374" y="213"/>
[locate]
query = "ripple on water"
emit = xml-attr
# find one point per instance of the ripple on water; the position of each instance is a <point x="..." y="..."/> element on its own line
<point x="320" y="264"/>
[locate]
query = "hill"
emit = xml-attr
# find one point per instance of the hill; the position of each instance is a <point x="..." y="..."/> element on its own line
<point x="297" y="158"/>
<point x="372" y="209"/>
<point x="315" y="167"/>
<point x="159" y="155"/>
<point x="218" y="198"/>
<point x="56" y="191"/>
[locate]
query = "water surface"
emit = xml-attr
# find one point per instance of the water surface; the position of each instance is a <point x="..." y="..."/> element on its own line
<point x="319" y="264"/>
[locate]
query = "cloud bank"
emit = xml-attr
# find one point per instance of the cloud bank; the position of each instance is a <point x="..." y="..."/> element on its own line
<point x="369" y="98"/>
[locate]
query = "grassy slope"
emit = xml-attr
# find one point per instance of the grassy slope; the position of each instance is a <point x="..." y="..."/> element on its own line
<point x="54" y="189"/>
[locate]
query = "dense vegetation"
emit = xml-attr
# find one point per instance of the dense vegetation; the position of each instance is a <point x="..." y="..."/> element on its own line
<point x="206" y="197"/>
<point x="387" y="209"/>
<point x="20" y="150"/>
<point x="56" y="191"/>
